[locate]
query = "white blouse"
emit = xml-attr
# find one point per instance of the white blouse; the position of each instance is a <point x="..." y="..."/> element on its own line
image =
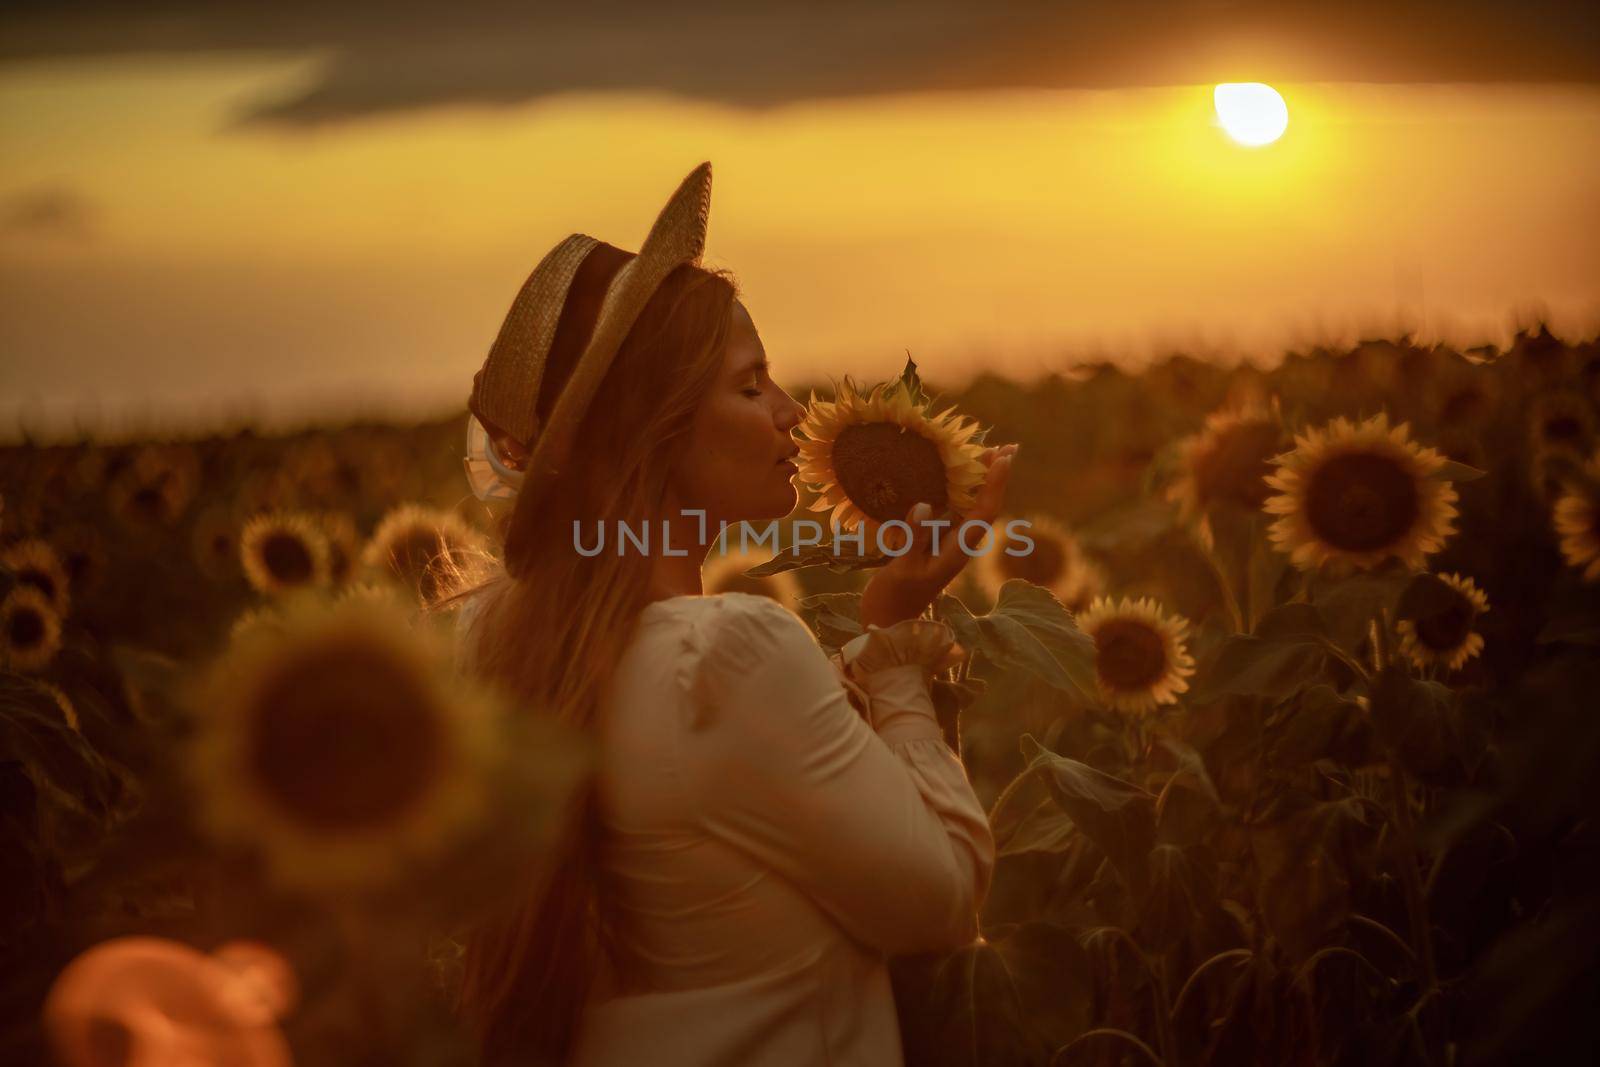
<point x="768" y="847"/>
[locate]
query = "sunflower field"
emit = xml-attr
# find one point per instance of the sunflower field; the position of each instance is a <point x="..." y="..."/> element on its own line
<point x="1285" y="725"/>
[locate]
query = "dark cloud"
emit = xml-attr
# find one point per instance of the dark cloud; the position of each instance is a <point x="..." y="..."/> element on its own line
<point x="389" y="57"/>
<point x="55" y="212"/>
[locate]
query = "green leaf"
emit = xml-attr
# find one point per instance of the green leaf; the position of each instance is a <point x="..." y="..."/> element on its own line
<point x="1575" y="629"/>
<point x="1310" y="853"/>
<point x="1029" y="629"/>
<point x="1245" y="665"/>
<point x="1291" y="621"/>
<point x="1456" y="471"/>
<point x="1322" y="724"/>
<point x="1420" y="724"/>
<point x="834" y="617"/>
<point x="1351" y="603"/>
<point x="1116" y="815"/>
<point x="786" y="557"/>
<point x="1026" y="818"/>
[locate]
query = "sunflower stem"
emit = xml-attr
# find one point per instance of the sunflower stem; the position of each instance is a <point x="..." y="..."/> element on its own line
<point x="1225" y="586"/>
<point x="1410" y="878"/>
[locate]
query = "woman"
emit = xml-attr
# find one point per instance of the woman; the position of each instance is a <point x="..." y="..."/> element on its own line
<point x="752" y="845"/>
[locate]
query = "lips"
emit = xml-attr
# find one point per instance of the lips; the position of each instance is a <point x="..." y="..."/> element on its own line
<point x="789" y="458"/>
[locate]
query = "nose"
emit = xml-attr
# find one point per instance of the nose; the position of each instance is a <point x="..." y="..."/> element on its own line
<point x="791" y="415"/>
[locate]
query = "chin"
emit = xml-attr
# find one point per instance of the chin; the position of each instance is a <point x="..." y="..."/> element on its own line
<point x="776" y="506"/>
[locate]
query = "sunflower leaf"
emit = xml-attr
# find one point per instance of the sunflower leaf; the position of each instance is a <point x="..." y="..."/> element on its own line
<point x="1275" y="668"/>
<point x="1456" y="471"/>
<point x="1030" y="629"/>
<point x="913" y="382"/>
<point x="834" y="617"/>
<point x="786" y="556"/>
<point x="1116" y="815"/>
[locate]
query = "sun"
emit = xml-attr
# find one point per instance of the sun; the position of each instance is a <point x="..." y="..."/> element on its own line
<point x="1252" y="113"/>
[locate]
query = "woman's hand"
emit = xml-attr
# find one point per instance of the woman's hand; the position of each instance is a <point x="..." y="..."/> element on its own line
<point x="907" y="584"/>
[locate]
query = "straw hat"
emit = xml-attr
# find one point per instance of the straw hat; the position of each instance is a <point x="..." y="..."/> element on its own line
<point x="506" y="390"/>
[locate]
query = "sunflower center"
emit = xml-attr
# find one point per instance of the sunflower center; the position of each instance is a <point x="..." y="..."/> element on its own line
<point x="287" y="558"/>
<point x="1235" y="469"/>
<point x="1129" y="654"/>
<point x="1042" y="566"/>
<point x="1360" y="502"/>
<point x="1563" y="428"/>
<point x="885" y="469"/>
<point x="148" y="501"/>
<point x="1445" y="630"/>
<point x="26" y="629"/>
<point x="1466" y="403"/>
<point x="346" y="737"/>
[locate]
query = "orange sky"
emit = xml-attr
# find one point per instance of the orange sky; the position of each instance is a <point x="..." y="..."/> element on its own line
<point x="153" y="265"/>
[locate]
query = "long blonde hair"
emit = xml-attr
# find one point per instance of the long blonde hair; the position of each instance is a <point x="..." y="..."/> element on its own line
<point x="551" y="638"/>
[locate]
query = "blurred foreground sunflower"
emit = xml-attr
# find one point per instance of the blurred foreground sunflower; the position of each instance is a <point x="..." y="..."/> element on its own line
<point x="1352" y="495"/>
<point x="870" y="457"/>
<point x="33" y="562"/>
<point x="1577" y="522"/>
<point x="30" y="630"/>
<point x="1056" y="562"/>
<point x="281" y="551"/>
<point x="1141" y="653"/>
<point x="726" y="574"/>
<point x="1226" y="465"/>
<point x="418" y="546"/>
<point x="1444" y="636"/>
<point x="340" y="744"/>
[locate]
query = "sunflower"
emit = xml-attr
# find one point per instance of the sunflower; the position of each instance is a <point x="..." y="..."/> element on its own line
<point x="344" y="545"/>
<point x="312" y="467"/>
<point x="1577" y="522"/>
<point x="30" y="630"/>
<point x="283" y="550"/>
<point x="34" y="563"/>
<point x="1552" y="470"/>
<point x="1445" y="636"/>
<point x="1226" y="465"/>
<point x="155" y="488"/>
<point x="1468" y="404"/>
<point x="1056" y="562"/>
<point x="214" y="543"/>
<point x="725" y="574"/>
<point x="82" y="552"/>
<point x="262" y="490"/>
<point x="870" y="457"/>
<point x="1355" y="494"/>
<point x="341" y="744"/>
<point x="417" y="546"/>
<point x="1141" y="654"/>
<point x="1561" y="419"/>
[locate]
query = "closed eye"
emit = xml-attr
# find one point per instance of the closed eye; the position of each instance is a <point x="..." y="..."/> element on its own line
<point x="752" y="393"/>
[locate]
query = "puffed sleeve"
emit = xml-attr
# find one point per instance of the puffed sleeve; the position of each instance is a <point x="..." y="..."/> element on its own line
<point x="881" y="828"/>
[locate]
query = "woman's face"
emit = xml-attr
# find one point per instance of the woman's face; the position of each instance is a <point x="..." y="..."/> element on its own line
<point x="735" y="466"/>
